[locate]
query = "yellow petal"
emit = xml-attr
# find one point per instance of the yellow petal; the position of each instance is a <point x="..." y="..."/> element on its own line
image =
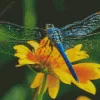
<point x="78" y="47"/>
<point x="21" y="49"/>
<point x="56" y="55"/>
<point x="53" y="86"/>
<point x="25" y="62"/>
<point x="19" y="65"/>
<point x="88" y="86"/>
<point x="30" y="56"/>
<point x="75" y="48"/>
<point x="43" y="42"/>
<point x="37" y="81"/>
<point x="62" y="75"/>
<point x="46" y="50"/>
<point x="74" y="54"/>
<point x="20" y="55"/>
<point x="83" y="98"/>
<point x="87" y="71"/>
<point x="34" y="44"/>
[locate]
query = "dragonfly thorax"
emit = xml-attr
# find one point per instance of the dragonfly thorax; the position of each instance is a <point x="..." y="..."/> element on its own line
<point x="54" y="34"/>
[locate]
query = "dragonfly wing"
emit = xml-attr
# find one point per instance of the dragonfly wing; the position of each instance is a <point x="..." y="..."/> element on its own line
<point x="11" y="34"/>
<point x="90" y="44"/>
<point x="82" y="28"/>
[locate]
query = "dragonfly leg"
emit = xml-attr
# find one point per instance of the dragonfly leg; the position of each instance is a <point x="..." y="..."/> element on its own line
<point x="51" y="45"/>
<point x="49" y="53"/>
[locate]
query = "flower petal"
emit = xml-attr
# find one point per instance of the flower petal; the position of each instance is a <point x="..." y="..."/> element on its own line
<point x="63" y="75"/>
<point x="21" y="49"/>
<point x="83" y="98"/>
<point x="74" y="54"/>
<point x="30" y="56"/>
<point x="20" y="55"/>
<point x="34" y="44"/>
<point x="89" y="86"/>
<point x="87" y="71"/>
<point x="26" y="61"/>
<point x="38" y="80"/>
<point x="56" y="55"/>
<point x="43" y="42"/>
<point x="53" y="86"/>
<point x="78" y="47"/>
<point x="47" y="49"/>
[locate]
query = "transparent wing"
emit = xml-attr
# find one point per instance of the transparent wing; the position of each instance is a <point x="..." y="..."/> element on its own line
<point x="82" y="28"/>
<point x="11" y="34"/>
<point x="91" y="44"/>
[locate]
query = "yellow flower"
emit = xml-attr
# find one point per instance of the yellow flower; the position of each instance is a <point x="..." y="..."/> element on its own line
<point x="83" y="98"/>
<point x="53" y="66"/>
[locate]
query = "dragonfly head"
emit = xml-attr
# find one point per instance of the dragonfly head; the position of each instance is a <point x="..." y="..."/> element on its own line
<point x="49" y="26"/>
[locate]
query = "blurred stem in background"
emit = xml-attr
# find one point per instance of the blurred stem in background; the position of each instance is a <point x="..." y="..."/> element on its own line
<point x="30" y="20"/>
<point x="29" y="10"/>
<point x="22" y="91"/>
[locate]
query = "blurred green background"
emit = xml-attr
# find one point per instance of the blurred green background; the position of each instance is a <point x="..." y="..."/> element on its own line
<point x="15" y="82"/>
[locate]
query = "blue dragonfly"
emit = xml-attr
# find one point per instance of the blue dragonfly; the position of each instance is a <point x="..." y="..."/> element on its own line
<point x="63" y="38"/>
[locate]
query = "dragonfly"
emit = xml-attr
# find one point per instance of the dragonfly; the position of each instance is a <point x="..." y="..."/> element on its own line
<point x="63" y="38"/>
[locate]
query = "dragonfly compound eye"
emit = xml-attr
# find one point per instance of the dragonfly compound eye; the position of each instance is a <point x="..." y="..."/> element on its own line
<point x="49" y="26"/>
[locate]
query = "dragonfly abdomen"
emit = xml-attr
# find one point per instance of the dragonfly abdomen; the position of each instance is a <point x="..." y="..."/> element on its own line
<point x="68" y="63"/>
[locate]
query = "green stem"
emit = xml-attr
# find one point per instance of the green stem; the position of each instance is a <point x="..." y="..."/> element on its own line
<point x="35" y="94"/>
<point x="40" y="96"/>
